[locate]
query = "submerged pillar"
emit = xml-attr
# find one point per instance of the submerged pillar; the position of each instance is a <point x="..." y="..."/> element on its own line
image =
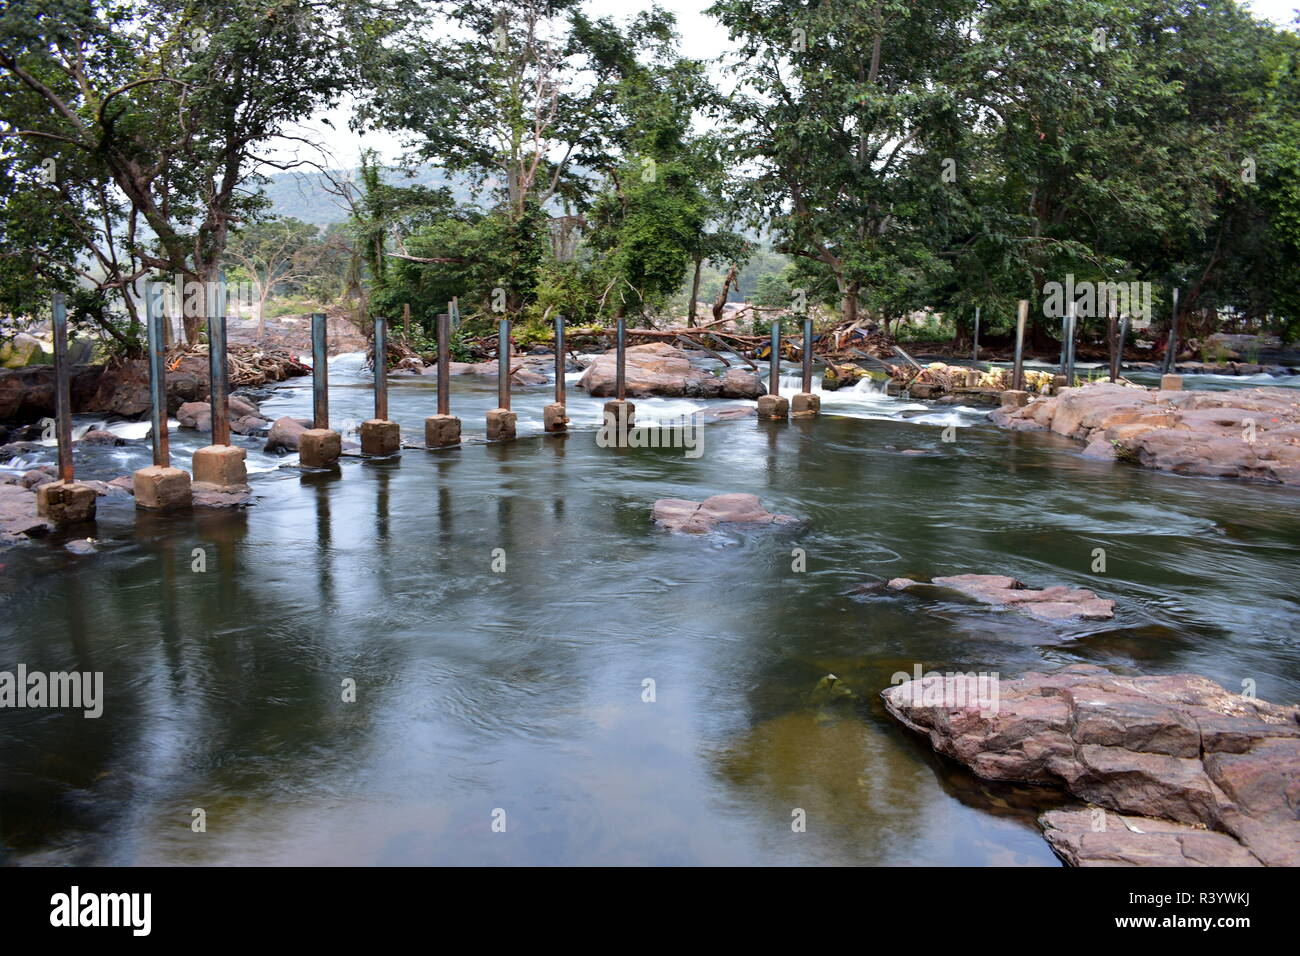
<point x="220" y="466"/>
<point x="620" y="414"/>
<point x="501" y="420"/>
<point x="64" y="501"/>
<point x="443" y="430"/>
<point x="1018" y="370"/>
<point x="159" y="487"/>
<point x="807" y="404"/>
<point x="553" y="417"/>
<point x="320" y="446"/>
<point x="381" y="438"/>
<point x="772" y="405"/>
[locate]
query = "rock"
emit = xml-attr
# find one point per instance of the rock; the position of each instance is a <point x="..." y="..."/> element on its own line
<point x="41" y="475"/>
<point x="1251" y="433"/>
<point x="245" y="418"/>
<point x="124" y="483"/>
<point x="694" y="517"/>
<point x="286" y="433"/>
<point x="18" y="513"/>
<point x="1050" y="604"/>
<point x="99" y="436"/>
<point x="19" y="449"/>
<point x="27" y="394"/>
<point x="81" y="546"/>
<point x="1177" y="748"/>
<point x="1100" y="838"/>
<point x="661" y="369"/>
<point x="727" y="413"/>
<point x="21" y="350"/>
<point x="830" y="690"/>
<point x="523" y="375"/>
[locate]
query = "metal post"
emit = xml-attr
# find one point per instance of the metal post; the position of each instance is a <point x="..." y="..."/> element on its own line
<point x="975" y="357"/>
<point x="1171" y="350"/>
<point x="503" y="364"/>
<point x="444" y="364"/>
<point x="1070" y="321"/>
<point x="559" y="359"/>
<point x="218" y="373"/>
<point x="62" y="389"/>
<point x="1018" y="375"/>
<point x="807" y="355"/>
<point x="381" y="369"/>
<point x="320" y="371"/>
<point x="406" y="322"/>
<point x="157" y="332"/>
<point x="774" y="361"/>
<point x="1119" y="351"/>
<point x="620" y="360"/>
<point x="1116" y="337"/>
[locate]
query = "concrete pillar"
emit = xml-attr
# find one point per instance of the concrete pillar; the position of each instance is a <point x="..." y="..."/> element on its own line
<point x="554" y="419"/>
<point x="501" y="424"/>
<point x="66" y="502"/>
<point x="1171" y="383"/>
<point x="221" y="468"/>
<point x="162" y="488"/>
<point x="805" y="405"/>
<point x="441" y="431"/>
<point x="619" y="418"/>
<point x="1015" y="398"/>
<point x="319" y="448"/>
<point x="380" y="438"/>
<point x="773" y="407"/>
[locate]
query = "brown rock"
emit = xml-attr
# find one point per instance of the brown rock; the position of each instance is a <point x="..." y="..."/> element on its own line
<point x="661" y="369"/>
<point x="1051" y="604"/>
<point x="1176" y="748"/>
<point x="286" y="433"/>
<point x="694" y="517"/>
<point x="1101" y="838"/>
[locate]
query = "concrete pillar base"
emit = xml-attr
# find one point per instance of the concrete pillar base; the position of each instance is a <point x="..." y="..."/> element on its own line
<point x="1171" y="383"/>
<point x="319" y="448"/>
<point x="221" y="466"/>
<point x="66" y="503"/>
<point x="773" y="407"/>
<point x="973" y="378"/>
<point x="805" y="405"/>
<point x="380" y="438"/>
<point x="619" y="418"/>
<point x="441" y="431"/>
<point x="162" y="489"/>
<point x="554" y="419"/>
<point x="1015" y="398"/>
<point x="501" y="424"/>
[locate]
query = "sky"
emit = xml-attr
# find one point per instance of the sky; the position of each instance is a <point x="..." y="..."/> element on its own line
<point x="702" y="37"/>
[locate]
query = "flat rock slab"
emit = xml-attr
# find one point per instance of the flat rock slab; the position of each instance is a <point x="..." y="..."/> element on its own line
<point x="1097" y="837"/>
<point x="18" y="513"/>
<point x="1178" y="748"/>
<point x="701" y="517"/>
<point x="660" y="369"/>
<point x="1057" y="603"/>
<point x="1250" y="433"/>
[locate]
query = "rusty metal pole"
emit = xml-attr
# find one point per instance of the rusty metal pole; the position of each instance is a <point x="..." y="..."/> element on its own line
<point x="559" y="360"/>
<point x="1018" y="375"/>
<point x="807" y="355"/>
<point x="620" y="361"/>
<point x="444" y="364"/>
<point x="62" y="388"/>
<point x="381" y="368"/>
<point x="320" y="371"/>
<point x="1117" y="361"/>
<point x="774" y="360"/>
<point x="156" y="322"/>
<point x="1071" y="321"/>
<point x="218" y="372"/>
<point x="503" y="364"/>
<point x="975" y="355"/>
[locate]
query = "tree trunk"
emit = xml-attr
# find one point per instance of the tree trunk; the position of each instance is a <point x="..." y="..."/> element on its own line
<point x="722" y="296"/>
<point x="695" y="294"/>
<point x="849" y="301"/>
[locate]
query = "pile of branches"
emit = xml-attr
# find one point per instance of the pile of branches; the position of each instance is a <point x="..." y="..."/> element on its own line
<point x="246" y="365"/>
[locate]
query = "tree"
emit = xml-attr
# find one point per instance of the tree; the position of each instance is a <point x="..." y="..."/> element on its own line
<point x="273" y="253"/>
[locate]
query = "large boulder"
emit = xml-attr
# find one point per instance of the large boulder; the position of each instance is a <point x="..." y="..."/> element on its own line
<point x="1246" y="433"/>
<point x="1048" y="604"/>
<point x="695" y="517"/>
<point x="1177" y="748"/>
<point x="245" y="417"/>
<point x="21" y="350"/>
<point x="18" y="513"/>
<point x="661" y="369"/>
<point x="27" y="394"/>
<point x="285" y="434"/>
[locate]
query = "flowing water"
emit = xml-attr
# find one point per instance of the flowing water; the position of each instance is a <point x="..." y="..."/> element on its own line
<point x="500" y="608"/>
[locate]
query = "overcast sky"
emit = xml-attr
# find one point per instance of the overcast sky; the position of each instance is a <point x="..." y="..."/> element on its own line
<point x="702" y="37"/>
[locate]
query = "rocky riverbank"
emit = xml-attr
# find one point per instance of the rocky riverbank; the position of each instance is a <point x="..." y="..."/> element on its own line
<point x="1200" y="776"/>
<point x="1252" y="433"/>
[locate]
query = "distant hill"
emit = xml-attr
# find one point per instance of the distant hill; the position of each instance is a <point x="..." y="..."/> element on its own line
<point x="303" y="196"/>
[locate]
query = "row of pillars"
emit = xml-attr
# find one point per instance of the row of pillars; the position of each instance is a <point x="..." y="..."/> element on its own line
<point x="219" y="467"/>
